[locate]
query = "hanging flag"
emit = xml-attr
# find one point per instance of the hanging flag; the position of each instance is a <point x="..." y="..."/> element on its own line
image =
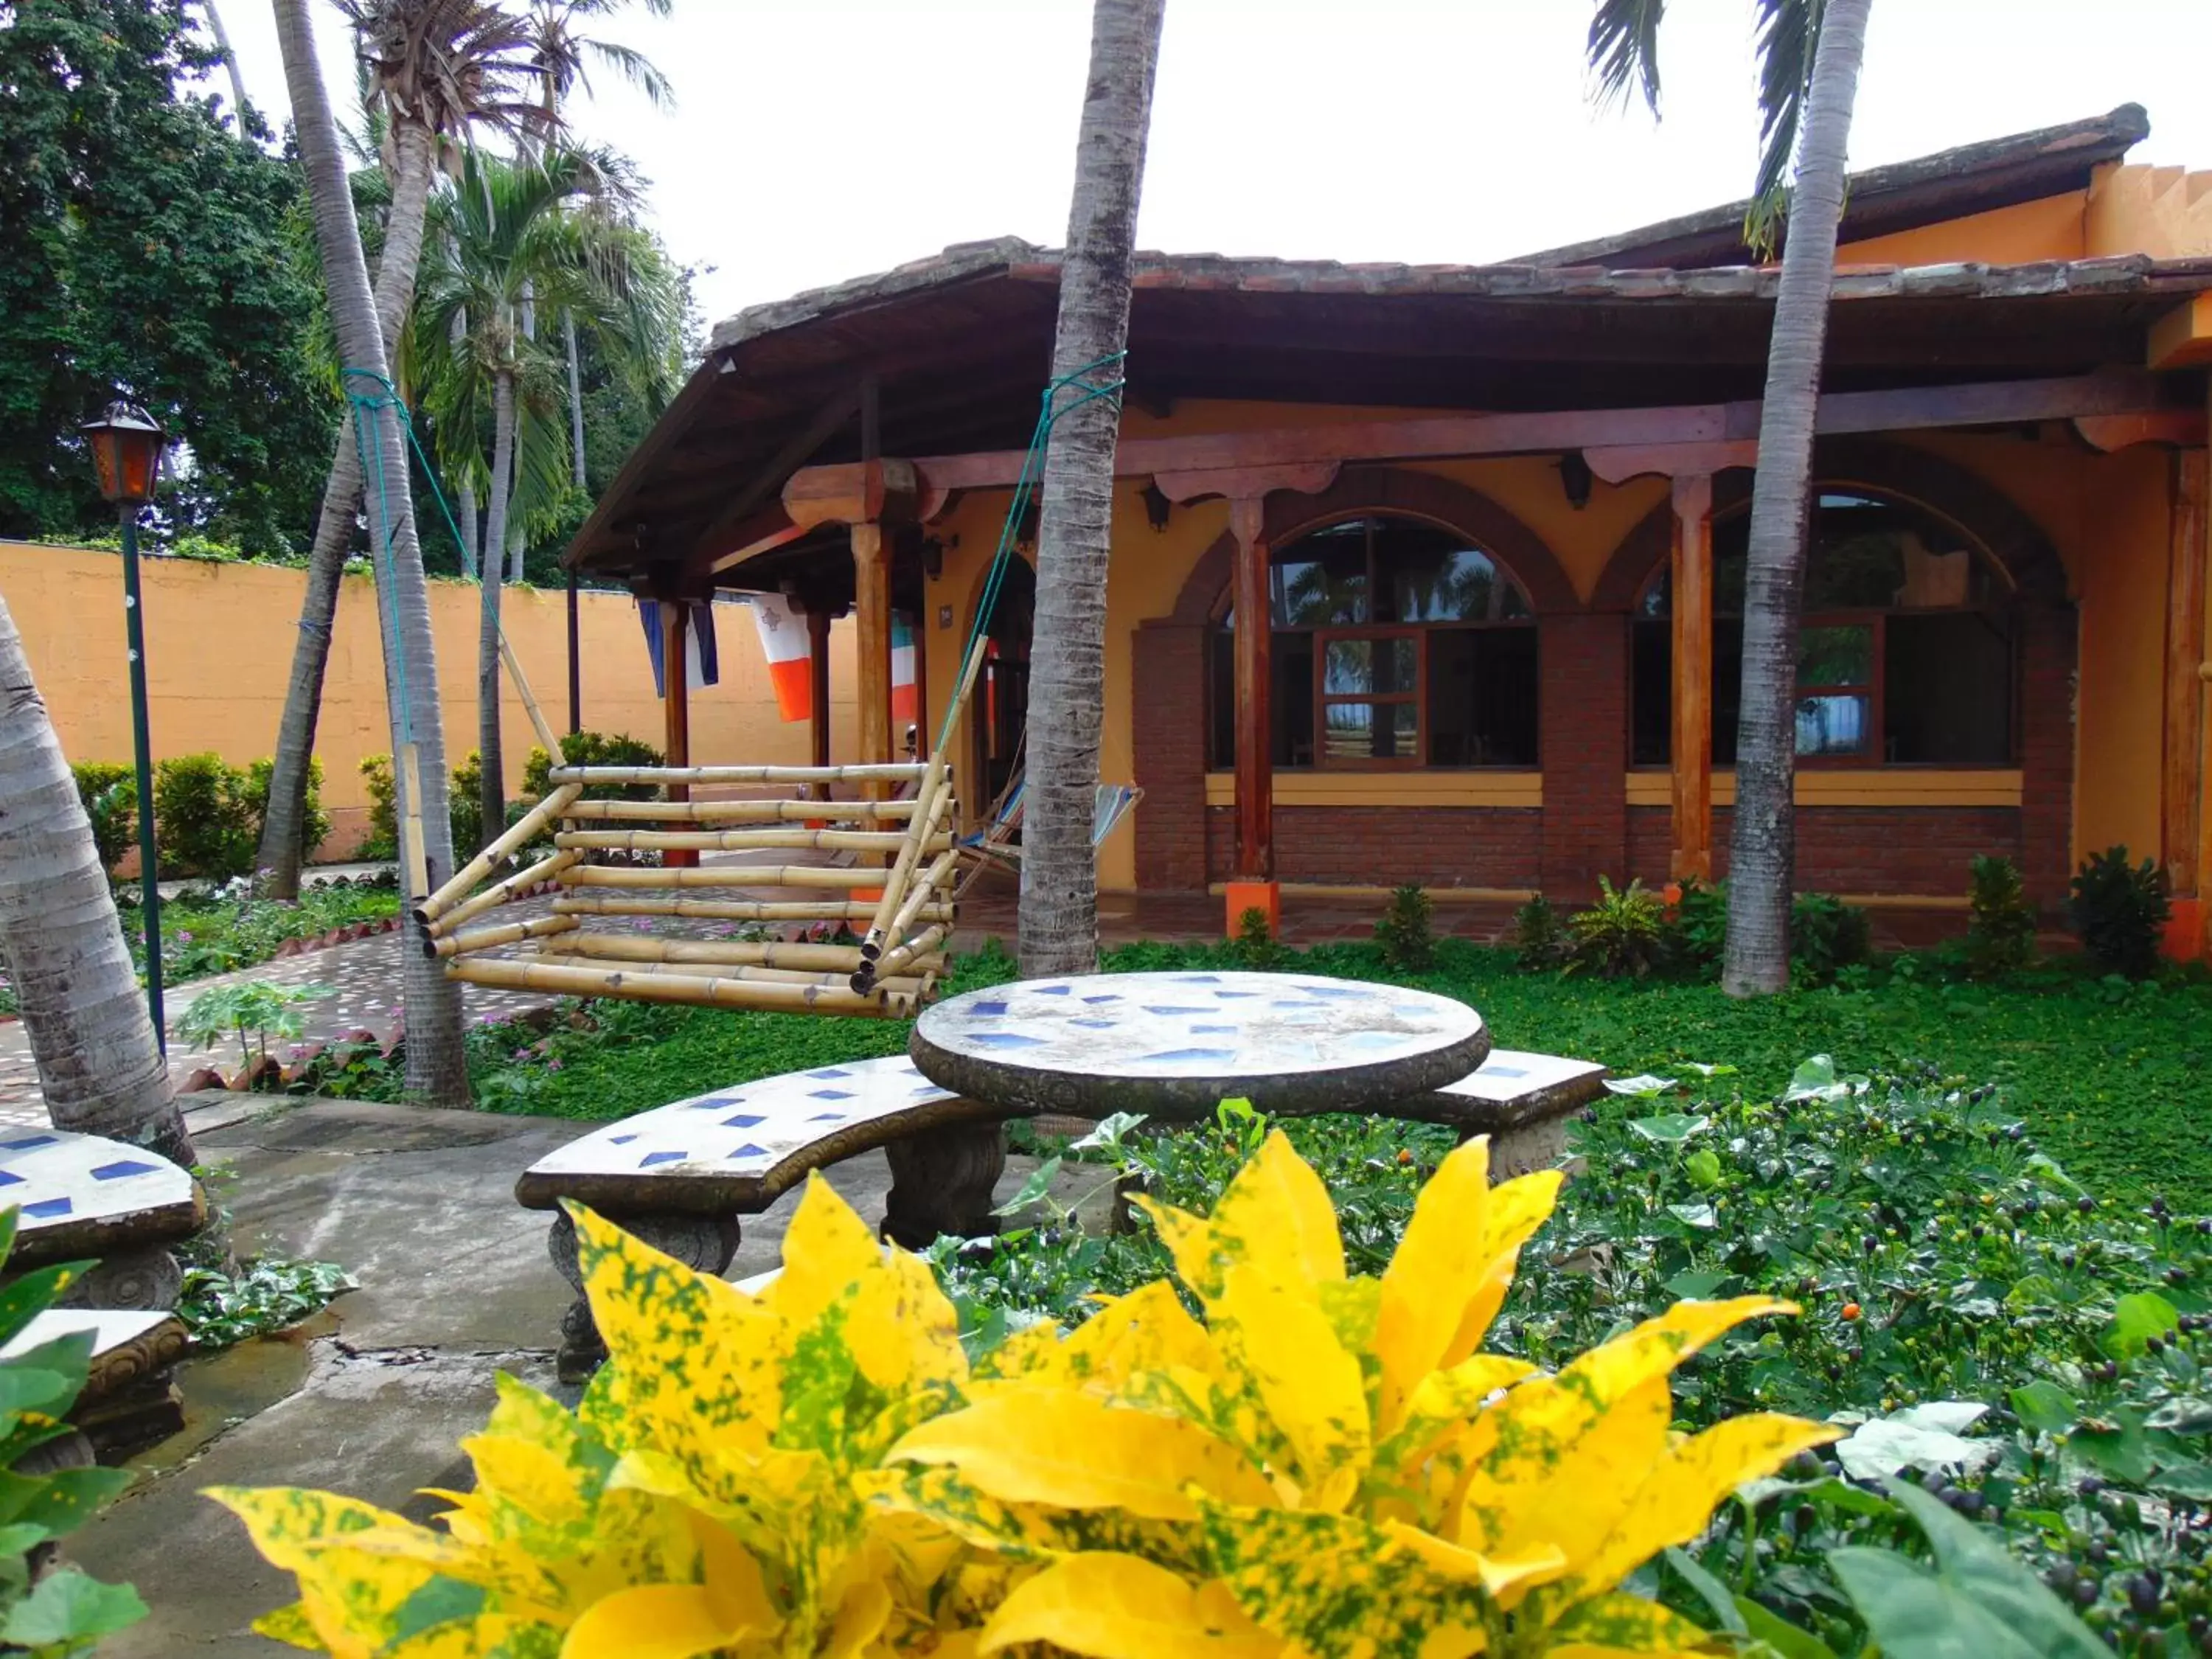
<point x="906" y="700"/>
<point x="702" y="663"/>
<point x="785" y="644"/>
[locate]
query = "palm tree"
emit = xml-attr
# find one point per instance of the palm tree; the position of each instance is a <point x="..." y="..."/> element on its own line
<point x="436" y="69"/>
<point x="553" y="227"/>
<point x="1059" y="868"/>
<point x="1809" y="56"/>
<point x="100" y="1068"/>
<point x="565" y="55"/>
<point x="437" y="1072"/>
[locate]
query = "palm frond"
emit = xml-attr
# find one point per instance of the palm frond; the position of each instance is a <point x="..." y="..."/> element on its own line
<point x="633" y="66"/>
<point x="1624" y="49"/>
<point x="1788" y="38"/>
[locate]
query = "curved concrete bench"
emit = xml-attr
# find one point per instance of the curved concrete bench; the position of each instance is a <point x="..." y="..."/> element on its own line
<point x="680" y="1177"/>
<point x="83" y="1197"/>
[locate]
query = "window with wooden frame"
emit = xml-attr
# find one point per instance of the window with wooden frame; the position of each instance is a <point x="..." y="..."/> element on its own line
<point x="1397" y="644"/>
<point x="1905" y="651"/>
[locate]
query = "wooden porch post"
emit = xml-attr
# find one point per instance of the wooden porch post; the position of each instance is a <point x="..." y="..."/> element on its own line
<point x="2182" y="782"/>
<point x="1254" y="885"/>
<point x="920" y="633"/>
<point x="818" y="690"/>
<point x="1693" y="734"/>
<point x="676" y="705"/>
<point x="871" y="614"/>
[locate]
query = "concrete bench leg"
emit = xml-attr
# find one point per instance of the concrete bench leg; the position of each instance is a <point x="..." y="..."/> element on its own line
<point x="941" y="1183"/>
<point x="144" y="1279"/>
<point x="1524" y="1149"/>
<point x="706" y="1243"/>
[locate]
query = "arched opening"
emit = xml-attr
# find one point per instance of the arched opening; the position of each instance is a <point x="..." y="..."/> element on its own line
<point x="1907" y="648"/>
<point x="999" y="711"/>
<point x="1397" y="643"/>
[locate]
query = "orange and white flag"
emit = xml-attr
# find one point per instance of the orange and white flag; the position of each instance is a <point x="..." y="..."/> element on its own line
<point x="784" y="642"/>
<point x="906" y="696"/>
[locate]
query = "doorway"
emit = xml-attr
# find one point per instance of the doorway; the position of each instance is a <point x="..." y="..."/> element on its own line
<point x="1001" y="709"/>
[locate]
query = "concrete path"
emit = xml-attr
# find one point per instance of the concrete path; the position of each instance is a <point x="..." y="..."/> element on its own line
<point x="372" y="1397"/>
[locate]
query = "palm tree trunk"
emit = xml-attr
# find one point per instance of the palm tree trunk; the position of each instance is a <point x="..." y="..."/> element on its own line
<point x="490" y="791"/>
<point x="437" y="1070"/>
<point x="1762" y="848"/>
<point x="575" y="400"/>
<point x="472" y="528"/>
<point x="229" y="60"/>
<point x="281" y="854"/>
<point x="99" y="1068"/>
<point x="1059" y="868"/>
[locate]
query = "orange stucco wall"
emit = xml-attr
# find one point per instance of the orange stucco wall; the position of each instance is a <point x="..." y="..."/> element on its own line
<point x="219" y="651"/>
<point x="2052" y="228"/>
<point x="2107" y="515"/>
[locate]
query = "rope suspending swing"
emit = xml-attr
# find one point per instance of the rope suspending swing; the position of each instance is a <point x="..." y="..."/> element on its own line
<point x="893" y="968"/>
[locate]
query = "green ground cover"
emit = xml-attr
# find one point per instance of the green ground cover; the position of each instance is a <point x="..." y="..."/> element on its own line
<point x="2112" y="1075"/>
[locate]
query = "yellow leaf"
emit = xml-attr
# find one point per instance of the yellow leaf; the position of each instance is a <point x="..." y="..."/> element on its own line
<point x="860" y="1619"/>
<point x="1276" y="1216"/>
<point x="1503" y="1580"/>
<point x="653" y="1621"/>
<point x="1511" y="1218"/>
<point x="1548" y="1467"/>
<point x="531" y="1476"/>
<point x="289" y="1523"/>
<point x="1147" y="1330"/>
<point x="898" y="1328"/>
<point x="1690" y="1480"/>
<point x="1619" y="1624"/>
<point x="1118" y="1607"/>
<point x="1445" y="1401"/>
<point x="1281" y="1341"/>
<point x="1433" y="1276"/>
<point x="491" y="1636"/>
<point x="1189" y="1240"/>
<point x="1058" y="1446"/>
<point x="291" y="1626"/>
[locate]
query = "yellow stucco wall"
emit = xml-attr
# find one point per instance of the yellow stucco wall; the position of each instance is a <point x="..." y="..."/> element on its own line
<point x="219" y="651"/>
<point x="2106" y="515"/>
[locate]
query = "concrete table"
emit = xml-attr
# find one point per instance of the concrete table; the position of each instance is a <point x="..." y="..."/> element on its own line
<point x="1174" y="1045"/>
<point x="83" y="1196"/>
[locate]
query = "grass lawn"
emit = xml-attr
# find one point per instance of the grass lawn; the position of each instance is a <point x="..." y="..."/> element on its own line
<point x="2112" y="1077"/>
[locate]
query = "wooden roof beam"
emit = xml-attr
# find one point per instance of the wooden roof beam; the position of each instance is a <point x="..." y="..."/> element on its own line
<point x="831" y="490"/>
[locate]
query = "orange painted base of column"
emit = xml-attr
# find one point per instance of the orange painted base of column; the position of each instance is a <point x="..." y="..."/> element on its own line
<point x="680" y="858"/>
<point x="1265" y="897"/>
<point x="2186" y="939"/>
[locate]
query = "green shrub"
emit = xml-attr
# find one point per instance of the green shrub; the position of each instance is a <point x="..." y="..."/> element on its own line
<point x="2120" y="911"/>
<point x="464" y="805"/>
<point x="1623" y="935"/>
<point x="206" y="819"/>
<point x="591" y="749"/>
<point x="1700" y="925"/>
<point x="1255" y="946"/>
<point x="59" y="1611"/>
<point x="1404" y="933"/>
<point x="1541" y="940"/>
<point x="1826" y="935"/>
<point x="2001" y="926"/>
<point x="382" y="840"/>
<point x="109" y="790"/>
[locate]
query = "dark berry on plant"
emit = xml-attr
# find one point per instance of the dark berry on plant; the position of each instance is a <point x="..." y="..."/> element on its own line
<point x="2085" y="1206"/>
<point x="1806" y="1517"/>
<point x="2091" y="1486"/>
<point x="2142" y="1596"/>
<point x="2085" y="1591"/>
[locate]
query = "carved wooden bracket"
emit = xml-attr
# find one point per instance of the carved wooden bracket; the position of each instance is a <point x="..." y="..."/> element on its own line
<point x="1618" y="463"/>
<point x="1242" y="484"/>
<point x="861" y="492"/>
<point x="2184" y="428"/>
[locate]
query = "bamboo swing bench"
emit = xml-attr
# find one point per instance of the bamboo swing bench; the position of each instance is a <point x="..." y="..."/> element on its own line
<point x="889" y="971"/>
<point x="904" y="906"/>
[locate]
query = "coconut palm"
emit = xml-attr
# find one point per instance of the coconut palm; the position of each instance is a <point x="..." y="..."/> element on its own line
<point x="1059" y="869"/>
<point x="100" y="1068"/>
<point x="434" y="70"/>
<point x="437" y="1072"/>
<point x="1809" y="56"/>
<point x="552" y="229"/>
<point x="565" y="57"/>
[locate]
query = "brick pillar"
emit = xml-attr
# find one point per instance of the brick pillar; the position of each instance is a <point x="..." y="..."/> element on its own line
<point x="1167" y="725"/>
<point x="2049" y="638"/>
<point x="1583" y="743"/>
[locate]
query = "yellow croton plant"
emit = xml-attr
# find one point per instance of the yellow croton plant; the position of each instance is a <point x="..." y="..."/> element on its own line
<point x="1321" y="1467"/>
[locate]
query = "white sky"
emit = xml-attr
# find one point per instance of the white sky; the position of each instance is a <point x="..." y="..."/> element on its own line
<point x="817" y="140"/>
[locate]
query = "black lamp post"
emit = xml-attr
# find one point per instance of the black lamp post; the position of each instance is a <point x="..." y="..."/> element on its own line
<point x="126" y="445"/>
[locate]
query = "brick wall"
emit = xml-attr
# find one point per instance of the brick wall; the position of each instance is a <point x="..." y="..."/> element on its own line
<point x="1857" y="849"/>
<point x="2049" y="652"/>
<point x="1583" y="744"/>
<point x="1386" y="846"/>
<point x="1167" y="678"/>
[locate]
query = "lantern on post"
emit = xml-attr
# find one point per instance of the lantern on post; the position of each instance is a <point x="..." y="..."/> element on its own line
<point x="127" y="444"/>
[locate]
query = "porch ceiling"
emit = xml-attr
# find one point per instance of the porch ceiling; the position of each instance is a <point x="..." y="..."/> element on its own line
<point x="959" y="347"/>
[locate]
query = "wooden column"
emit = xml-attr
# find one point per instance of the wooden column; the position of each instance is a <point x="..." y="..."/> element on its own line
<point x="1692" y="732"/>
<point x="676" y="705"/>
<point x="818" y="690"/>
<point x="1253" y="886"/>
<point x="921" y="732"/>
<point x="872" y="615"/>
<point x="2182" y="782"/>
